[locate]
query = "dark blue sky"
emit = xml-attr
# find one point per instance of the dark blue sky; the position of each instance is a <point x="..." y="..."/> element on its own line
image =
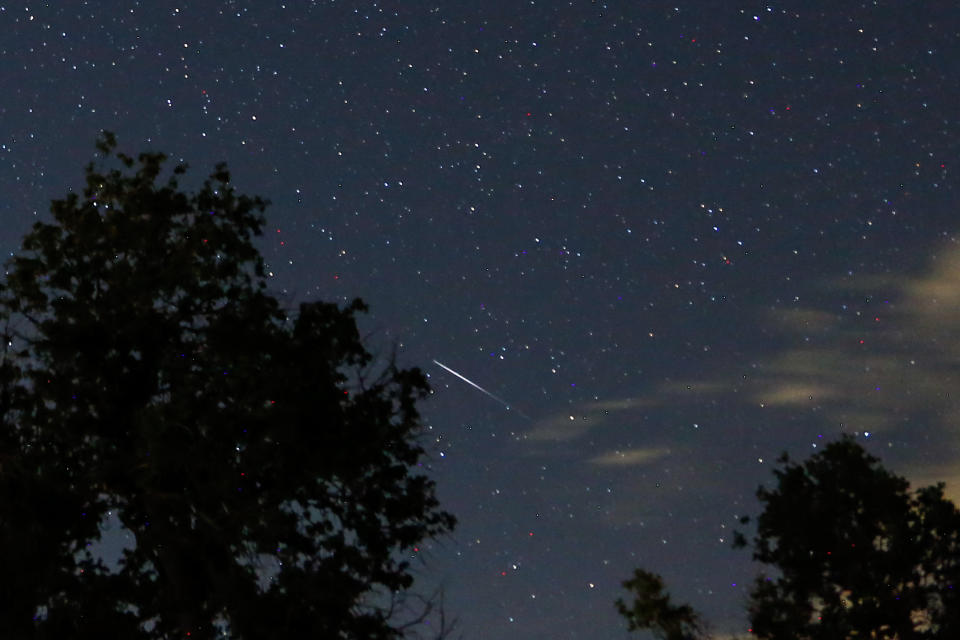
<point x="677" y="239"/>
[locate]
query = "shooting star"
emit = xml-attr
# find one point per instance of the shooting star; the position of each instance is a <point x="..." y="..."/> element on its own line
<point x="477" y="387"/>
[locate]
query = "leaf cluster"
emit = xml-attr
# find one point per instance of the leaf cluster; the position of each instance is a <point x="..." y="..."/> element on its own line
<point x="653" y="610"/>
<point x="857" y="552"/>
<point x="261" y="464"/>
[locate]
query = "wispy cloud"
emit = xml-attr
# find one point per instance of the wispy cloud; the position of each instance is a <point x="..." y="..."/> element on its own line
<point x="630" y="457"/>
<point x="885" y="361"/>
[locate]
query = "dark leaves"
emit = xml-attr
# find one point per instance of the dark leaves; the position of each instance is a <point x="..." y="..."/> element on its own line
<point x="652" y="609"/>
<point x="859" y="554"/>
<point x="262" y="468"/>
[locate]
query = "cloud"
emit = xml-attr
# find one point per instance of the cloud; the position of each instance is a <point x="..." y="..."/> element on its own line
<point x="630" y="457"/>
<point x="885" y="361"/>
<point x="571" y="426"/>
<point x="872" y="353"/>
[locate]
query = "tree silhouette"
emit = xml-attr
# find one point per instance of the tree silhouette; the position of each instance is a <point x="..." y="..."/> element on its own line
<point x="263" y="466"/>
<point x="855" y="553"/>
<point x="859" y="555"/>
<point x="651" y="609"/>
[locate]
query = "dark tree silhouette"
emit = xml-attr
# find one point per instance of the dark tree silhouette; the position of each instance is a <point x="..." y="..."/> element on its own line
<point x="858" y="554"/>
<point x="263" y="465"/>
<point x="855" y="553"/>
<point x="652" y="610"/>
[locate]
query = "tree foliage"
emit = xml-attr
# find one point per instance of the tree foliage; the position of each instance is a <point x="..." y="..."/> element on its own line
<point x="262" y="464"/>
<point x="652" y="610"/>
<point x="858" y="554"/>
<point x="855" y="554"/>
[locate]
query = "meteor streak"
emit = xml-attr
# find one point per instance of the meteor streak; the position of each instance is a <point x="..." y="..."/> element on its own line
<point x="475" y="385"/>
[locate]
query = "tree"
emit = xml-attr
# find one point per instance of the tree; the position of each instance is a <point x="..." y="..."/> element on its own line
<point x="264" y="465"/>
<point x="858" y="554"/>
<point x="651" y="609"/>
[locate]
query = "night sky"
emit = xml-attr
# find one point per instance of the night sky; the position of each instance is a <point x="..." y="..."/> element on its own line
<point x="675" y="240"/>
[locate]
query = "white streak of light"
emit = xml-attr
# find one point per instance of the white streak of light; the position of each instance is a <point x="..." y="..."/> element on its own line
<point x="472" y="383"/>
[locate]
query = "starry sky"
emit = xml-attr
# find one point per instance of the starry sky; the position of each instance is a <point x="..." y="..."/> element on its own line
<point x="675" y="239"/>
